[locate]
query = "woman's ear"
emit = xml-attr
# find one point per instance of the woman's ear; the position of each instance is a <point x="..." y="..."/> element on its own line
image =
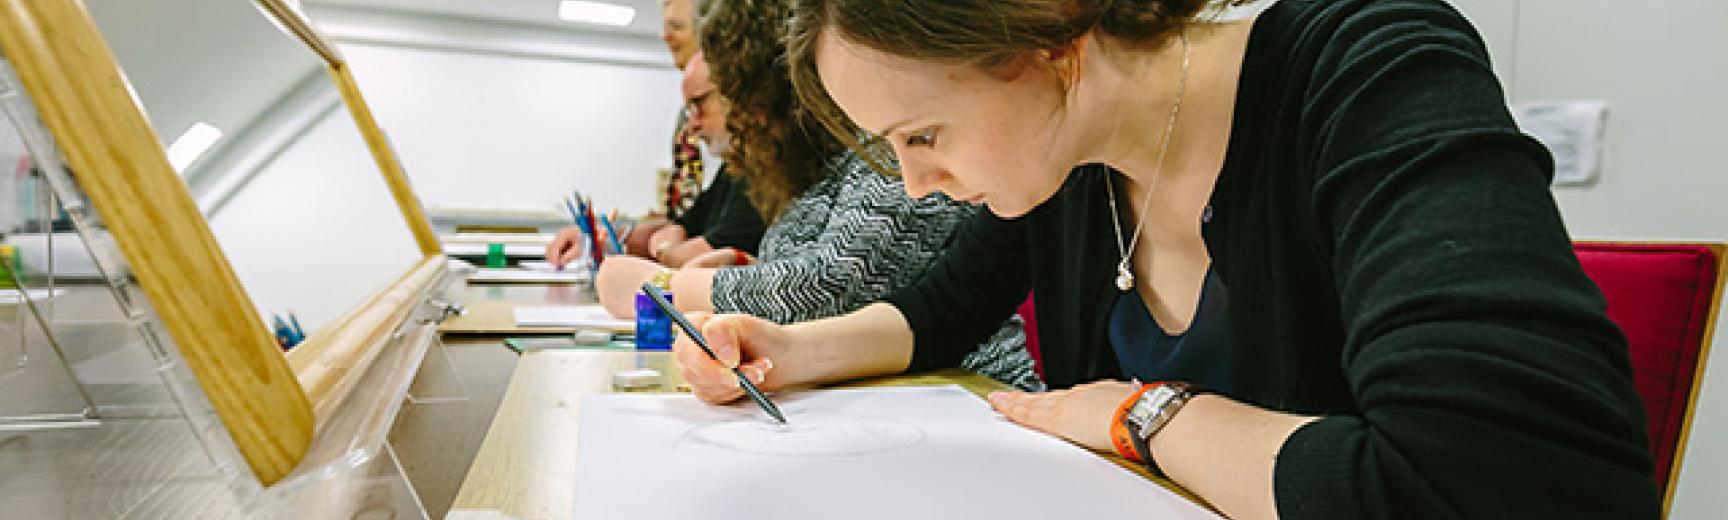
<point x="1063" y="63"/>
<point x="1066" y="62"/>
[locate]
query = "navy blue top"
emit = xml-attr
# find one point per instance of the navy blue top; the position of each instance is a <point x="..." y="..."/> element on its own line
<point x="1200" y="356"/>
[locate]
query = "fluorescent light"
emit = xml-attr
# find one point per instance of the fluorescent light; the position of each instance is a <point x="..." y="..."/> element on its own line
<point x="596" y="12"/>
<point x="192" y="144"/>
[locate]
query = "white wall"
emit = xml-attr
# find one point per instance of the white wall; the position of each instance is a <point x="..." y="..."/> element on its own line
<point x="1659" y="65"/>
<point x="292" y="193"/>
<point x="497" y="114"/>
<point x="477" y="130"/>
<point x="316" y="230"/>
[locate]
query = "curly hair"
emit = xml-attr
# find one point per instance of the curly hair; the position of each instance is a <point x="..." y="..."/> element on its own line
<point x="776" y="147"/>
<point x="982" y="32"/>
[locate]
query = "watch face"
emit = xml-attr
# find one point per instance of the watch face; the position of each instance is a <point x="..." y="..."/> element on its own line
<point x="1148" y="405"/>
<point x="1139" y="416"/>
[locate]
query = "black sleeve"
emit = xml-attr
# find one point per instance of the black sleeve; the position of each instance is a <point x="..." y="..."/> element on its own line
<point x="737" y="224"/>
<point x="1489" y="381"/>
<point x="965" y="296"/>
<point x="705" y="211"/>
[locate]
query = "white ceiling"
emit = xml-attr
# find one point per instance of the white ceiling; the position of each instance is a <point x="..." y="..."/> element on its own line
<point x="537" y="12"/>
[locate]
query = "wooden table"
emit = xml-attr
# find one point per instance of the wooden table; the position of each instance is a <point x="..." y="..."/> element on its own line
<point x="437" y="438"/>
<point x="489" y="310"/>
<point x="526" y="466"/>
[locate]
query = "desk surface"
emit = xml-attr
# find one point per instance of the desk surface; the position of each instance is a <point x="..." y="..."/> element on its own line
<point x="490" y="309"/>
<point x="526" y="466"/>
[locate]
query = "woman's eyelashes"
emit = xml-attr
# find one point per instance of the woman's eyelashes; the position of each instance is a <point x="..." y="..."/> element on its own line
<point x="926" y="138"/>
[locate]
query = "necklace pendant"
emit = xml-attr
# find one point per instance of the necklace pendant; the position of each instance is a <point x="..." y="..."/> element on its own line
<point x="1124" y="278"/>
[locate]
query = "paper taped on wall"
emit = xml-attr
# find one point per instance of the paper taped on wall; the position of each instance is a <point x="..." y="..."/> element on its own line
<point x="1572" y="131"/>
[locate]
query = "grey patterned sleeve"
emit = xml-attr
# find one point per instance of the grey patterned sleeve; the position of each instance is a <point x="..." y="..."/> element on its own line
<point x="850" y="240"/>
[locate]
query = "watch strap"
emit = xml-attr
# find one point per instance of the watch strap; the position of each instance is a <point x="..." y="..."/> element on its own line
<point x="1168" y="399"/>
<point x="1121" y="437"/>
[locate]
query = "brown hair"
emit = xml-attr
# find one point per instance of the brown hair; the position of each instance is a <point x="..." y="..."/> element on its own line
<point x="776" y="148"/>
<point x="982" y="32"/>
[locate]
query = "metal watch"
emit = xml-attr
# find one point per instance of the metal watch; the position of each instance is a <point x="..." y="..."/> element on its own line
<point x="1152" y="411"/>
<point x="663" y="279"/>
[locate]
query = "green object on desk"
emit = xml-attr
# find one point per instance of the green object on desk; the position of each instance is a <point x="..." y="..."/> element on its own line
<point x="9" y="266"/>
<point x="495" y="255"/>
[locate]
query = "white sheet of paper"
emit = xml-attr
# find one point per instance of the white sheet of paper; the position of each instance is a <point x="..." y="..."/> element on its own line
<point x="536" y="265"/>
<point x="527" y="275"/>
<point x="587" y="316"/>
<point x="1573" y="133"/>
<point x="540" y="239"/>
<point x="480" y="250"/>
<point x="902" y="453"/>
<point x="14" y="296"/>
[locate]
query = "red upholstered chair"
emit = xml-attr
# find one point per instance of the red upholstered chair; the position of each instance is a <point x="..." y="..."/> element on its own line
<point x="1666" y="298"/>
<point x="1030" y="314"/>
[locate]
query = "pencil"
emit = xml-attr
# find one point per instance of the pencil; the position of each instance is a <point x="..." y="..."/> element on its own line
<point x="756" y="394"/>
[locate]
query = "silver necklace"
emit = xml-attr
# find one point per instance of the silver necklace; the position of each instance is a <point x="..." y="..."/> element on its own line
<point x="1125" y="275"/>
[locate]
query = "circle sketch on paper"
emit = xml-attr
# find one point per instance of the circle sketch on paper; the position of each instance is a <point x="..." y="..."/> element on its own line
<point x="809" y="436"/>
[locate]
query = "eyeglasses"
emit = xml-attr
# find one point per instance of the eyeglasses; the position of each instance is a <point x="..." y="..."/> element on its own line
<point x="693" y="107"/>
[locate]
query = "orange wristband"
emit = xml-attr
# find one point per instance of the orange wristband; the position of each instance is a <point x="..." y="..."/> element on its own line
<point x="739" y="257"/>
<point x="1120" y="437"/>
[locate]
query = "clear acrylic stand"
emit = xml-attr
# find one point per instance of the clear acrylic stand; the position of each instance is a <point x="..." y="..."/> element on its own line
<point x="101" y="419"/>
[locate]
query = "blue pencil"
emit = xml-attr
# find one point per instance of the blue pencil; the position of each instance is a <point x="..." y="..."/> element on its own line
<point x="612" y="232"/>
<point x="284" y="337"/>
<point x="576" y="215"/>
<point x="576" y="218"/>
<point x="298" y="330"/>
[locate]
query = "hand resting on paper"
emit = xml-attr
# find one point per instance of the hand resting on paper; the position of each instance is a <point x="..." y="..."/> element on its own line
<point x="1081" y="414"/>
<point x="736" y="339"/>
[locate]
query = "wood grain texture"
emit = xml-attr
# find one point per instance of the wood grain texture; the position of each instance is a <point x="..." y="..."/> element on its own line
<point x="289" y="17"/>
<point x="526" y="465"/>
<point x="82" y="98"/>
<point x="412" y="212"/>
<point x="329" y="362"/>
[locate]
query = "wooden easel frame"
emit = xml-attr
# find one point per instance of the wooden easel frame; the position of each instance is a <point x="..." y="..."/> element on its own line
<point x="270" y="404"/>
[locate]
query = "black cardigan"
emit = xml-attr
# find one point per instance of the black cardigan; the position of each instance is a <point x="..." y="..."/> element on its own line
<point x="1395" y="262"/>
<point x="724" y="216"/>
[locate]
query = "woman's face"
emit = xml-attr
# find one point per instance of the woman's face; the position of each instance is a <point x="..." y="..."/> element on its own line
<point x="990" y="136"/>
<point x="678" y="30"/>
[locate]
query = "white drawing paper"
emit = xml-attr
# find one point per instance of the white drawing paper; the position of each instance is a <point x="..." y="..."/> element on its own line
<point x="516" y="250"/>
<point x="483" y="275"/>
<point x="536" y="265"/>
<point x="903" y="453"/>
<point x="586" y="316"/>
